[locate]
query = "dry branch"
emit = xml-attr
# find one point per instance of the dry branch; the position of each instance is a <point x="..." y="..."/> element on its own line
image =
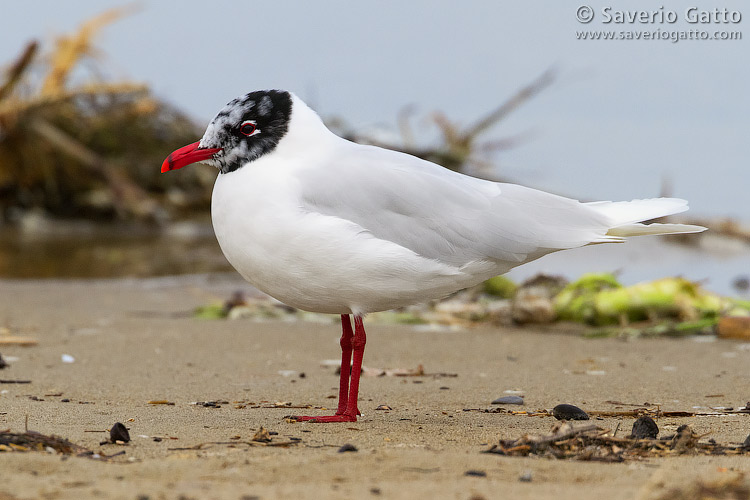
<point x="18" y="68"/>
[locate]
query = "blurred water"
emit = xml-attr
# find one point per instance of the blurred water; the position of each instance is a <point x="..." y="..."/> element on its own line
<point x="714" y="261"/>
<point x="109" y="252"/>
<point x="190" y="248"/>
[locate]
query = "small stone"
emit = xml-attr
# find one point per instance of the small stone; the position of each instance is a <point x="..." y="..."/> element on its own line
<point x="746" y="444"/>
<point x="157" y="439"/>
<point x="644" y="428"/>
<point x="262" y="435"/>
<point x="119" y="432"/>
<point x="347" y="447"/>
<point x="67" y="358"/>
<point x="475" y="473"/>
<point x="65" y="400"/>
<point x="509" y="400"/>
<point x="383" y="407"/>
<point x="525" y="477"/>
<point x="569" y="412"/>
<point x="3" y="364"/>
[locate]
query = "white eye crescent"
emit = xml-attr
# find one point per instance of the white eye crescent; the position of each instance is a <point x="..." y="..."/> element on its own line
<point x="249" y="128"/>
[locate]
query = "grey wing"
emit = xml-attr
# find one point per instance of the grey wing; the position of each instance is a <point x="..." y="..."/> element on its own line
<point x="444" y="215"/>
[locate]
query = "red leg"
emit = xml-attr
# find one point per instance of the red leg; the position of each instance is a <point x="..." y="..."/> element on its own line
<point x="347" y="410"/>
<point x="346" y="362"/>
<point x="358" y="346"/>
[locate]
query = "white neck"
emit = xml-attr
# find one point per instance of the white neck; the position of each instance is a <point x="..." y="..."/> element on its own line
<point x="306" y="133"/>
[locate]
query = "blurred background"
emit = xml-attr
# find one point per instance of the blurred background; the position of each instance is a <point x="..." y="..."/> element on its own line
<point x="94" y="95"/>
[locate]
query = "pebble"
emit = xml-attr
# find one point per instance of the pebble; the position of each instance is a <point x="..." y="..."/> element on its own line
<point x="3" y="364"/>
<point x="67" y="358"/>
<point x="644" y="428"/>
<point x="746" y="444"/>
<point x="119" y="432"/>
<point x="569" y="412"/>
<point x="347" y="447"/>
<point x="475" y="473"/>
<point x="525" y="477"/>
<point x="509" y="400"/>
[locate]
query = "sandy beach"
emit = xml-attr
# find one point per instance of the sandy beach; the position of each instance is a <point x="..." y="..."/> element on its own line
<point x="132" y="342"/>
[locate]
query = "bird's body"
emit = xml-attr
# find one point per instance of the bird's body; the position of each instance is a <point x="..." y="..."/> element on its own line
<point x="331" y="226"/>
<point x="327" y="225"/>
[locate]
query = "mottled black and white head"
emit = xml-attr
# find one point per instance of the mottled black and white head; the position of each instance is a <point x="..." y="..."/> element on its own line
<point x="246" y="129"/>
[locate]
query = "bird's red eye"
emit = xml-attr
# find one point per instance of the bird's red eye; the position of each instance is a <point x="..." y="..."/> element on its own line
<point x="247" y="128"/>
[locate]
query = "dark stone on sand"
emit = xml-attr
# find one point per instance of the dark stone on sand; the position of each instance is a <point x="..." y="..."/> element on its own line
<point x="509" y="400"/>
<point x="569" y="412"/>
<point x="3" y="364"/>
<point x="347" y="447"/>
<point x="746" y="444"/>
<point x="475" y="473"/>
<point x="119" y="432"/>
<point x="644" y="428"/>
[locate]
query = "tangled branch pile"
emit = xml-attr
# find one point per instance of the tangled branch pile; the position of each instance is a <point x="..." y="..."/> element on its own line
<point x="590" y="442"/>
<point x="90" y="149"/>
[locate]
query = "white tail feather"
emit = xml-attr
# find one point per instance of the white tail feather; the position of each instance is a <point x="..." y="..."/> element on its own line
<point x="626" y="216"/>
<point x="655" y="228"/>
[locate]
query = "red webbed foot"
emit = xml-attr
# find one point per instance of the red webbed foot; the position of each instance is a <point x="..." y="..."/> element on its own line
<point x="323" y="419"/>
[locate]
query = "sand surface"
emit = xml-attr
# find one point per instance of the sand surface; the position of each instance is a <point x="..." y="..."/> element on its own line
<point x="134" y="341"/>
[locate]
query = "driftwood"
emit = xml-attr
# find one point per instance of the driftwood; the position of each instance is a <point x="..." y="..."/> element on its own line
<point x="35" y="441"/>
<point x="459" y="145"/>
<point x="90" y="149"/>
